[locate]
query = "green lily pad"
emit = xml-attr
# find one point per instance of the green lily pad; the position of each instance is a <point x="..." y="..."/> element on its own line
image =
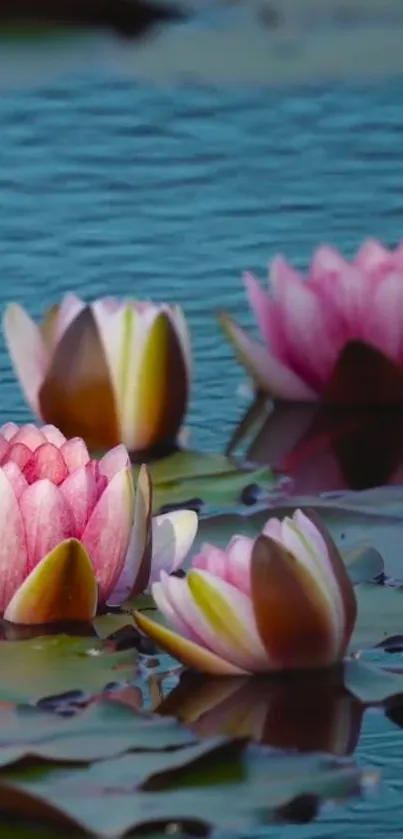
<point x="219" y="784"/>
<point x="106" y="625"/>
<point x="209" y="478"/>
<point x="370" y="684"/>
<point x="55" y="664"/>
<point x="102" y="730"/>
<point x="186" y="465"/>
<point x="380" y="615"/>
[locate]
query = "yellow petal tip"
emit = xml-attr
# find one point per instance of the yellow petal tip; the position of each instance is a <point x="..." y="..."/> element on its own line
<point x="62" y="587"/>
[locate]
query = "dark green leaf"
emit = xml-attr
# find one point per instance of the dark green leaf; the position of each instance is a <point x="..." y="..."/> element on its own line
<point x="104" y="729"/>
<point x="54" y="664"/>
<point x="372" y="685"/>
<point x="363" y="563"/>
<point x="232" y="791"/>
<point x="211" y="478"/>
<point x="380" y="615"/>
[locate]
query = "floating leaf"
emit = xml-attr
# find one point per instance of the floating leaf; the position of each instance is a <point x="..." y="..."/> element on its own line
<point x="187" y="465"/>
<point x="372" y="685"/>
<point x="380" y="615"/>
<point x="102" y="730"/>
<point x="55" y="664"/>
<point x="205" y="479"/>
<point x="107" y="625"/>
<point x="218" y="784"/>
<point x="363" y="564"/>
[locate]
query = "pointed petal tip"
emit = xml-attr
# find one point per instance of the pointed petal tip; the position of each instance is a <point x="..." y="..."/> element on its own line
<point x="139" y="554"/>
<point x="62" y="587"/>
<point x="187" y="652"/>
<point x="173" y="535"/>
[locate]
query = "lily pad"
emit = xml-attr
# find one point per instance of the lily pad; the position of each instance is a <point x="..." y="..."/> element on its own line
<point x="205" y="479"/>
<point x="102" y="730"/>
<point x="52" y="665"/>
<point x="222" y="785"/>
<point x="380" y="615"/>
<point x="370" y="684"/>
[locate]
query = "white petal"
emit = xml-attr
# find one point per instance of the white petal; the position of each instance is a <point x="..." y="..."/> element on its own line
<point x="27" y="351"/>
<point x="69" y="309"/>
<point x="173" y="535"/>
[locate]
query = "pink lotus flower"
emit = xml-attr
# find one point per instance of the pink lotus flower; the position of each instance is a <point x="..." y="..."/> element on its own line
<point x="74" y="533"/>
<point x="110" y="372"/>
<point x="282" y="602"/>
<point x="322" y="334"/>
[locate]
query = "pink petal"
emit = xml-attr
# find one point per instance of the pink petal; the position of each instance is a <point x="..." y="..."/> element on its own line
<point x="166" y="605"/>
<point x="270" y="374"/>
<point x="326" y="261"/>
<point x="47" y="519"/>
<point x="311" y="352"/>
<point x="46" y="462"/>
<point x="13" y="549"/>
<point x="75" y="453"/>
<point x="9" y="430"/>
<point x="273" y="528"/>
<point x="280" y="269"/>
<point x="15" y="478"/>
<point x="30" y="436"/>
<point x="397" y="257"/>
<point x="106" y="536"/>
<point x="239" y="553"/>
<point x="173" y="535"/>
<point x="372" y="256"/>
<point x="19" y="454"/>
<point x="27" y="350"/>
<point x="384" y="325"/>
<point x="267" y="316"/>
<point x="231" y="565"/>
<point x="113" y="461"/>
<point x="4" y="447"/>
<point x="81" y="493"/>
<point x="53" y="435"/>
<point x="211" y="558"/>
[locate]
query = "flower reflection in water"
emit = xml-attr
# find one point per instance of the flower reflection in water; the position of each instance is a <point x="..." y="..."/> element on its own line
<point x="307" y="713"/>
<point x="322" y="448"/>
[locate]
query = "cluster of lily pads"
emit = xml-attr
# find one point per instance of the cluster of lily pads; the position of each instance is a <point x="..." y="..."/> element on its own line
<point x="81" y="549"/>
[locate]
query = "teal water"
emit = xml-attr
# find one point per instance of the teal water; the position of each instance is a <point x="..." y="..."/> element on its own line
<point x="110" y="186"/>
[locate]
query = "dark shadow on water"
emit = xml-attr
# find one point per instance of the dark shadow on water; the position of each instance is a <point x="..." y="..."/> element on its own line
<point x="323" y="448"/>
<point x="18" y="632"/>
<point x="308" y="712"/>
<point x="156" y="453"/>
<point x="128" y="18"/>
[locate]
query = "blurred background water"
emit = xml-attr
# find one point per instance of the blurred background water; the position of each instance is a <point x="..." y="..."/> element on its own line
<point x="109" y="186"/>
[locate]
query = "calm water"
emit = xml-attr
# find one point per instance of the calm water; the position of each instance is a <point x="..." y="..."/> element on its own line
<point x="113" y="187"/>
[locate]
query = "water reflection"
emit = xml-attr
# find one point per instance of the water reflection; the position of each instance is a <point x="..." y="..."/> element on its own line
<point x="323" y="448"/>
<point x="308" y="713"/>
